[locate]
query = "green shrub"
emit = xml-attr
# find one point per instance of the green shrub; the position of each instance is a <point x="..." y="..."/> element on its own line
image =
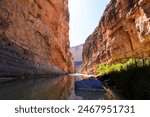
<point x="106" y="69"/>
<point x="131" y="78"/>
<point x="103" y="69"/>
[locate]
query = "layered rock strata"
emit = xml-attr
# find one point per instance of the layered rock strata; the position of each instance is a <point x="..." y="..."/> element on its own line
<point x="34" y="37"/>
<point x="123" y="33"/>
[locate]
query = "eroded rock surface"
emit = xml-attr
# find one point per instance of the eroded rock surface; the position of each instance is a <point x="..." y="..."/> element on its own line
<point x="34" y="37"/>
<point x="123" y="33"/>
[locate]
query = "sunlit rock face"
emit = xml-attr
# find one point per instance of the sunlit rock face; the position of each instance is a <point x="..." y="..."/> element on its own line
<point x="77" y="56"/>
<point x="123" y="32"/>
<point x="34" y="37"/>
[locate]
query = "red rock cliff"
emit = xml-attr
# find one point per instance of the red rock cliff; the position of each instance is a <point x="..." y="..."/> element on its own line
<point x="123" y="33"/>
<point x="34" y="37"/>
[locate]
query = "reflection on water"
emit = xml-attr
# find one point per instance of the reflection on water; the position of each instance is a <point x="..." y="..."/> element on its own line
<point x="41" y="88"/>
<point x="55" y="88"/>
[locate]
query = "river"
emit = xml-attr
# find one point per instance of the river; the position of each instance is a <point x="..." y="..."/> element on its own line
<point x="48" y="88"/>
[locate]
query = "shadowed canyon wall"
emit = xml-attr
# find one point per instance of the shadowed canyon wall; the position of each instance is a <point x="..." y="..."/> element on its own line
<point x="123" y="33"/>
<point x="34" y="37"/>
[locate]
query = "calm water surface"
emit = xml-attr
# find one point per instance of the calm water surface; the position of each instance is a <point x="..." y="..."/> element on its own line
<point x="47" y="88"/>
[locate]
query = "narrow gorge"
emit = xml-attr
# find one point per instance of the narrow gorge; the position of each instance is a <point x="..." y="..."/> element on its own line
<point x="123" y="32"/>
<point x="37" y="62"/>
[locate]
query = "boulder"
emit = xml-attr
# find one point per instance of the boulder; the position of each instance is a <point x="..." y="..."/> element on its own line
<point x="89" y="85"/>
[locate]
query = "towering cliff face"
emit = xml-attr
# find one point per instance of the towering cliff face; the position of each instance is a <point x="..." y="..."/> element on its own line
<point x="34" y="37"/>
<point x="123" y="32"/>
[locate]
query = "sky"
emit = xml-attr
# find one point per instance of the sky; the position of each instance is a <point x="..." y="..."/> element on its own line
<point x="84" y="18"/>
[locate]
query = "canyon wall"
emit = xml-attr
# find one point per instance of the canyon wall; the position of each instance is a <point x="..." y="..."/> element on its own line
<point x="34" y="37"/>
<point x="123" y="33"/>
<point x="77" y="52"/>
<point x="77" y="56"/>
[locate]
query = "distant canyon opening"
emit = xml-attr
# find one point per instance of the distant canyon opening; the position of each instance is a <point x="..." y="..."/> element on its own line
<point x="84" y="18"/>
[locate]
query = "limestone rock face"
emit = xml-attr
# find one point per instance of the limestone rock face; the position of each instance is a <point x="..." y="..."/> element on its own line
<point x="34" y="37"/>
<point x="77" y="52"/>
<point x="123" y="33"/>
<point x="77" y="56"/>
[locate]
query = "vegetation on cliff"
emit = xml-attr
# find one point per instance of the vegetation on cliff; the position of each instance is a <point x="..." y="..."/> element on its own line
<point x="130" y="79"/>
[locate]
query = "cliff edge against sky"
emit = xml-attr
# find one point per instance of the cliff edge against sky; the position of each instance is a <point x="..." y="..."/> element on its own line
<point x="123" y="33"/>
